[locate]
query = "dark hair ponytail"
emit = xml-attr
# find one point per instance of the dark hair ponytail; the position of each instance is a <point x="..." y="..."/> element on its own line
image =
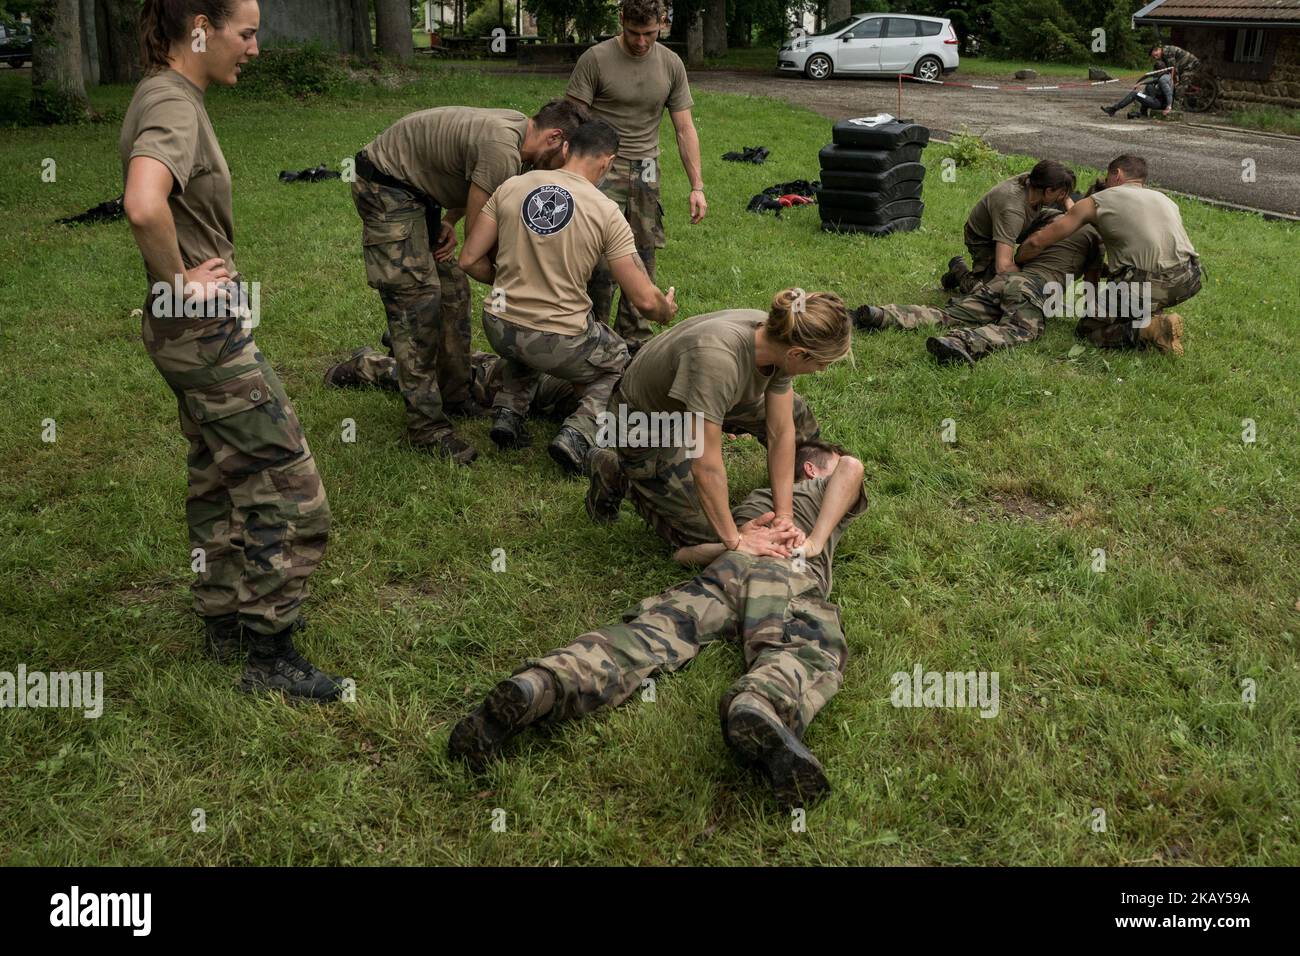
<point x="164" y="22"/>
<point x="1050" y="174"/>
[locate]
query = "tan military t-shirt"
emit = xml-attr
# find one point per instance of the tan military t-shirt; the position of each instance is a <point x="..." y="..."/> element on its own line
<point x="442" y="150"/>
<point x="631" y="92"/>
<point x="705" y="364"/>
<point x="553" y="228"/>
<point x="167" y="121"/>
<point x="807" y="499"/>
<point x="1001" y="214"/>
<point x="1142" y="228"/>
<point x="1074" y="255"/>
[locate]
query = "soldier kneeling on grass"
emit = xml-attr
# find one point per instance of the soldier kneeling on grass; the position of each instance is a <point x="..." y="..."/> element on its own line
<point x="1008" y="310"/>
<point x="1147" y="250"/>
<point x="998" y="221"/>
<point x="551" y="229"/>
<point x="777" y="607"/>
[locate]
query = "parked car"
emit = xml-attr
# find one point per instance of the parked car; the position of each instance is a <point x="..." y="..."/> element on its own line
<point x="15" y="46"/>
<point x="889" y="43"/>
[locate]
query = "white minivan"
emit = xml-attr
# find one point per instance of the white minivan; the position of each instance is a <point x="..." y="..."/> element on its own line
<point x="925" y="47"/>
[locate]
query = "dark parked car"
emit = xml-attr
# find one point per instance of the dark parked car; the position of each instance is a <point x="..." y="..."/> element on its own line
<point x="15" y="46"/>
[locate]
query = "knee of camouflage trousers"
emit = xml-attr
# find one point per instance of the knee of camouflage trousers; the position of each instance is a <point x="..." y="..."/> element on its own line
<point x="245" y="439"/>
<point x="794" y="645"/>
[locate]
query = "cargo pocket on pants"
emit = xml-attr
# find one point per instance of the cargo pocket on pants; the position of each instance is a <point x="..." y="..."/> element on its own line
<point x="245" y="424"/>
<point x="609" y="352"/>
<point x="394" y="263"/>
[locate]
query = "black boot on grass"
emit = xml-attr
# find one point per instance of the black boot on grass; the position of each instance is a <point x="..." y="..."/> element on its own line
<point x="274" y="664"/>
<point x="511" y="706"/>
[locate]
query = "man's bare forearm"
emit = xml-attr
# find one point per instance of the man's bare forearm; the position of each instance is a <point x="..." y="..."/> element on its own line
<point x="700" y="553"/>
<point x="688" y="148"/>
<point x="842" y="493"/>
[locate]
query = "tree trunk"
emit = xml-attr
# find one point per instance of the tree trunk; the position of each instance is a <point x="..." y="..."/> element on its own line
<point x="715" y="28"/>
<point x="739" y="30"/>
<point x="118" y="28"/>
<point x="695" y="41"/>
<point x="58" y="89"/>
<point x="393" y="29"/>
<point x="361" y="44"/>
<point x="89" y="43"/>
<point x="837" y="10"/>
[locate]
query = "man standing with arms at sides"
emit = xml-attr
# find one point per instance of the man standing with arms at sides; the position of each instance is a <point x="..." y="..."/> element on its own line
<point x="414" y="181"/>
<point x="628" y="81"/>
<point x="1146" y="247"/>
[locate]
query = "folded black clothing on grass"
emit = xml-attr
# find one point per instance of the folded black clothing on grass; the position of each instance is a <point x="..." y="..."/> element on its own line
<point x="748" y="154"/>
<point x="104" y="212"/>
<point x="314" y="175"/>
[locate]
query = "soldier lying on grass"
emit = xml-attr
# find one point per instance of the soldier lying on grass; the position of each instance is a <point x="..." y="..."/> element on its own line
<point x="777" y="607"/>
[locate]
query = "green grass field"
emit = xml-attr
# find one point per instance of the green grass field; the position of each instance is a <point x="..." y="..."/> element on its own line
<point x="1120" y="691"/>
<point x="1273" y="119"/>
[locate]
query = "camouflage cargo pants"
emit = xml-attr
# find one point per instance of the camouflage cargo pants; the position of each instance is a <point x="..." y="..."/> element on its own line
<point x="1003" y="312"/>
<point x="256" y="506"/>
<point x="594" y="359"/>
<point x="1168" y="288"/>
<point x="426" y="303"/>
<point x="794" y="645"/>
<point x="554" y="398"/>
<point x="633" y="185"/>
<point x="659" y="480"/>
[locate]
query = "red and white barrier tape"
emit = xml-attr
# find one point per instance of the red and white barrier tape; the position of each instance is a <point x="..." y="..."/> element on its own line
<point x="1009" y="86"/>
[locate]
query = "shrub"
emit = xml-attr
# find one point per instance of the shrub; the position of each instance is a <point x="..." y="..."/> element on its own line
<point x="300" y="71"/>
<point x="967" y="149"/>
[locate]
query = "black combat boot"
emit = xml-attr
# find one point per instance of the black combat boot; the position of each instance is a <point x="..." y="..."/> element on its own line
<point x="569" y="450"/>
<point x="344" y="374"/>
<point x="948" y="350"/>
<point x="274" y="664"/>
<point x="608" y="486"/>
<point x="513" y="704"/>
<point x="758" y="736"/>
<point x="509" y="429"/>
<point x="447" y="445"/>
<point x="224" y="638"/>
<point x="957" y="268"/>
<point x="868" y="318"/>
<point x="1108" y="110"/>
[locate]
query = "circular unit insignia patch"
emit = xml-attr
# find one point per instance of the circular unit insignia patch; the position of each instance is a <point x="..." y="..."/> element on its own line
<point x="547" y="209"/>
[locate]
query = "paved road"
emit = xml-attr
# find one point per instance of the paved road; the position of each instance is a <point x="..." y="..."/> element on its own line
<point x="1064" y="124"/>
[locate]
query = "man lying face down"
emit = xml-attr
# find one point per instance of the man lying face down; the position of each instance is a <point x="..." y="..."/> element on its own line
<point x="777" y="607"/>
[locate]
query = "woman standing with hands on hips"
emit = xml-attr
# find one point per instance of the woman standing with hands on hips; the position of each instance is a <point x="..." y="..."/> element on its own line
<point x="256" y="509"/>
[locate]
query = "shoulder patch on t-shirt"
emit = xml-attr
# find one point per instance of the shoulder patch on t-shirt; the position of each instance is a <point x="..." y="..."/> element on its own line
<point x="547" y="209"/>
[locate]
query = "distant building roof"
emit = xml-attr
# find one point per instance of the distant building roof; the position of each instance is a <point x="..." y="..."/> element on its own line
<point x="1282" y="13"/>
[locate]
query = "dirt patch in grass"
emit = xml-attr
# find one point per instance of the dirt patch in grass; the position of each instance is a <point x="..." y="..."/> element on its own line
<point x="1026" y="505"/>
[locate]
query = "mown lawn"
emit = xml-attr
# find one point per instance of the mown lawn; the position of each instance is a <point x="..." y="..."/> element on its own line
<point x="1120" y="691"/>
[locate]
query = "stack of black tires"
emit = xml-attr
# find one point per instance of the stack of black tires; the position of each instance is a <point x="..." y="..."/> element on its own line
<point x="871" y="177"/>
